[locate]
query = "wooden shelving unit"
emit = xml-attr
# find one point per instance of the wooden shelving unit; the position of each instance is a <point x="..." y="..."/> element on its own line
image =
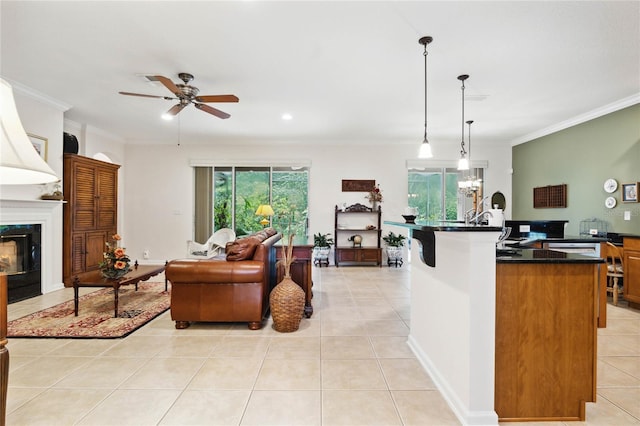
<point x="361" y="220"/>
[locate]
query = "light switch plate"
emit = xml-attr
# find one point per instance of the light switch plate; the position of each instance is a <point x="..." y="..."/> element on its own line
<point x="627" y="215"/>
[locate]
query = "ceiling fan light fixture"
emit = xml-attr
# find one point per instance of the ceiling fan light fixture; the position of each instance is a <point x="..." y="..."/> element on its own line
<point x="185" y="94"/>
<point x="425" y="147"/>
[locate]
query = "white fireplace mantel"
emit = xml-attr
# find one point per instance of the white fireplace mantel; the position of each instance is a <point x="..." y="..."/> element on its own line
<point x="49" y="215"/>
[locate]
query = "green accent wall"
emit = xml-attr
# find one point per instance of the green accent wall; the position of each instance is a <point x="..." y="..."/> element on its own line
<point x="583" y="157"/>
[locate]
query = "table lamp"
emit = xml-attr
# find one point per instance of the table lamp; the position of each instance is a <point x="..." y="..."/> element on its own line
<point x="20" y="163"/>
<point x="264" y="210"/>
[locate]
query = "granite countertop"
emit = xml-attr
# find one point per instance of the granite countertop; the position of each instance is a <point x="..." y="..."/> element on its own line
<point x="524" y="242"/>
<point x="615" y="238"/>
<point x="542" y="256"/>
<point x="445" y="226"/>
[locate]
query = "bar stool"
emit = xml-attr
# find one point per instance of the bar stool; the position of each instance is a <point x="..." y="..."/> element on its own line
<point x="615" y="270"/>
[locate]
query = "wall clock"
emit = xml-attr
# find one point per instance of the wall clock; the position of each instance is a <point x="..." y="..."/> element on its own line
<point x="610" y="185"/>
<point x="610" y="202"/>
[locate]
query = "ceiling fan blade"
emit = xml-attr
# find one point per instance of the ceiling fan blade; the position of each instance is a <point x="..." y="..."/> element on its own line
<point x="167" y="83"/>
<point x="176" y="109"/>
<point x="217" y="98"/>
<point x="211" y="110"/>
<point x="145" y="96"/>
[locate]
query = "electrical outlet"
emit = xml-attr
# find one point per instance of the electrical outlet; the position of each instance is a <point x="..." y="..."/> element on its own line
<point x="627" y="215"/>
<point x="145" y="254"/>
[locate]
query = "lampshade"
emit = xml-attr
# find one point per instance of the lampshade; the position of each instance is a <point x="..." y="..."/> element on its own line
<point x="264" y="210"/>
<point x="19" y="161"/>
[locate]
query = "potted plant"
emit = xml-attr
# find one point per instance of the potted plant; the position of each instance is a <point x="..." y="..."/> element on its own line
<point x="394" y="244"/>
<point x="321" y="247"/>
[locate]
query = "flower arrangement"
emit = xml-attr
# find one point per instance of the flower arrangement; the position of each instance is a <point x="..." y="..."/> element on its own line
<point x="375" y="195"/>
<point x="116" y="261"/>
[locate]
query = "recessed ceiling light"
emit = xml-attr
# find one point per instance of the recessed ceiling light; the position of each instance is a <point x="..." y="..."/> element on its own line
<point x="167" y="117"/>
<point x="287" y="116"/>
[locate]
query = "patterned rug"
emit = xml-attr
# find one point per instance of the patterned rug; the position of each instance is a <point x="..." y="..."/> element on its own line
<point x="95" y="318"/>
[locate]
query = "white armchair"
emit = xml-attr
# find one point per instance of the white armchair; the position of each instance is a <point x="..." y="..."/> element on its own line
<point x="214" y="246"/>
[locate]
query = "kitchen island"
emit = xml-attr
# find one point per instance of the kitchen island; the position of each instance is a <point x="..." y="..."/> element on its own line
<point x="454" y="305"/>
<point x="453" y="300"/>
<point x="545" y="336"/>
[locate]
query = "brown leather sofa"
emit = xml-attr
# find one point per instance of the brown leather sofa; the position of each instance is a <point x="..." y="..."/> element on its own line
<point x="231" y="289"/>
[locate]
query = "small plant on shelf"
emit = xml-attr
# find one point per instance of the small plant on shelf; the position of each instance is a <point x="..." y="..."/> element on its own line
<point x="394" y="240"/>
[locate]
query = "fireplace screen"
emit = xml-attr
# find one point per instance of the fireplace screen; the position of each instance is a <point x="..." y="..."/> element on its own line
<point x="20" y="260"/>
<point x="9" y="262"/>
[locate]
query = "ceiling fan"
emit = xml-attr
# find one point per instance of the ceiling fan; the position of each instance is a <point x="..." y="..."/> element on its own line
<point x="185" y="95"/>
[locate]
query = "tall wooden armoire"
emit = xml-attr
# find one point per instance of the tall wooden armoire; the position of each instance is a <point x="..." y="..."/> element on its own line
<point x="90" y="212"/>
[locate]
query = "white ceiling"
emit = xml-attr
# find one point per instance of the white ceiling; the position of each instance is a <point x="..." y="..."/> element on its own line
<point x="348" y="71"/>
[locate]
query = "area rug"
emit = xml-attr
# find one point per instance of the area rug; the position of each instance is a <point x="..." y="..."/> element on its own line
<point x="95" y="318"/>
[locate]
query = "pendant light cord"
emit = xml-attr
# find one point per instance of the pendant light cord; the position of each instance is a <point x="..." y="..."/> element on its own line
<point x="469" y="148"/>
<point x="425" y="92"/>
<point x="463" y="151"/>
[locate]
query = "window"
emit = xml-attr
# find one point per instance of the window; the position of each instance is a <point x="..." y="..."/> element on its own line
<point x="238" y="191"/>
<point x="434" y="192"/>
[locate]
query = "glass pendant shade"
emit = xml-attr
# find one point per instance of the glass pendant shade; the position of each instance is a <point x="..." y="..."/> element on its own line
<point x="463" y="163"/>
<point x="20" y="163"/>
<point x="425" y="150"/>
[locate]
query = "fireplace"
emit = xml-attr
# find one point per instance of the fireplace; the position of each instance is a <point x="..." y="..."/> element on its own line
<point x="20" y="259"/>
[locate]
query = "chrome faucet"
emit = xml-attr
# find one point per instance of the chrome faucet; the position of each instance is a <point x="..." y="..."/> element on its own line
<point x="479" y="215"/>
<point x="474" y="215"/>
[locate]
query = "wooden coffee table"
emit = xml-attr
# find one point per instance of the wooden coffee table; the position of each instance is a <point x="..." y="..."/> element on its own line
<point x="95" y="279"/>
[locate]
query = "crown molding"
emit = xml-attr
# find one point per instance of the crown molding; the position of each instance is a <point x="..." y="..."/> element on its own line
<point x="39" y="96"/>
<point x="583" y="118"/>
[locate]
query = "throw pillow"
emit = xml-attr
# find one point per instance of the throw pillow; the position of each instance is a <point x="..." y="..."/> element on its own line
<point x="241" y="249"/>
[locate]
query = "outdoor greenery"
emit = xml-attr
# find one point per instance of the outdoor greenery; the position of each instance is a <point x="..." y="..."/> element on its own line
<point x="434" y="192"/>
<point x="238" y="191"/>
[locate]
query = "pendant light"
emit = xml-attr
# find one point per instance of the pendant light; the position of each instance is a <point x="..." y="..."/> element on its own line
<point x="425" y="147"/>
<point x="463" y="163"/>
<point x="470" y="185"/>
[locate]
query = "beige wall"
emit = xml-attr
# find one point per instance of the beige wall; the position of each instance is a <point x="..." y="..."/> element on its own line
<point x="159" y="193"/>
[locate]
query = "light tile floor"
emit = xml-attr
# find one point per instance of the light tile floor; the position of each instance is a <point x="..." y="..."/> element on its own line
<point x="347" y="365"/>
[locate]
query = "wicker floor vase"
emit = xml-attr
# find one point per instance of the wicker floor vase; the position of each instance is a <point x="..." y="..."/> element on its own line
<point x="287" y="305"/>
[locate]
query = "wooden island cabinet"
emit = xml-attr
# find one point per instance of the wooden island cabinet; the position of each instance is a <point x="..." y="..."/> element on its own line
<point x="546" y="330"/>
<point x="90" y="214"/>
<point x="631" y="263"/>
